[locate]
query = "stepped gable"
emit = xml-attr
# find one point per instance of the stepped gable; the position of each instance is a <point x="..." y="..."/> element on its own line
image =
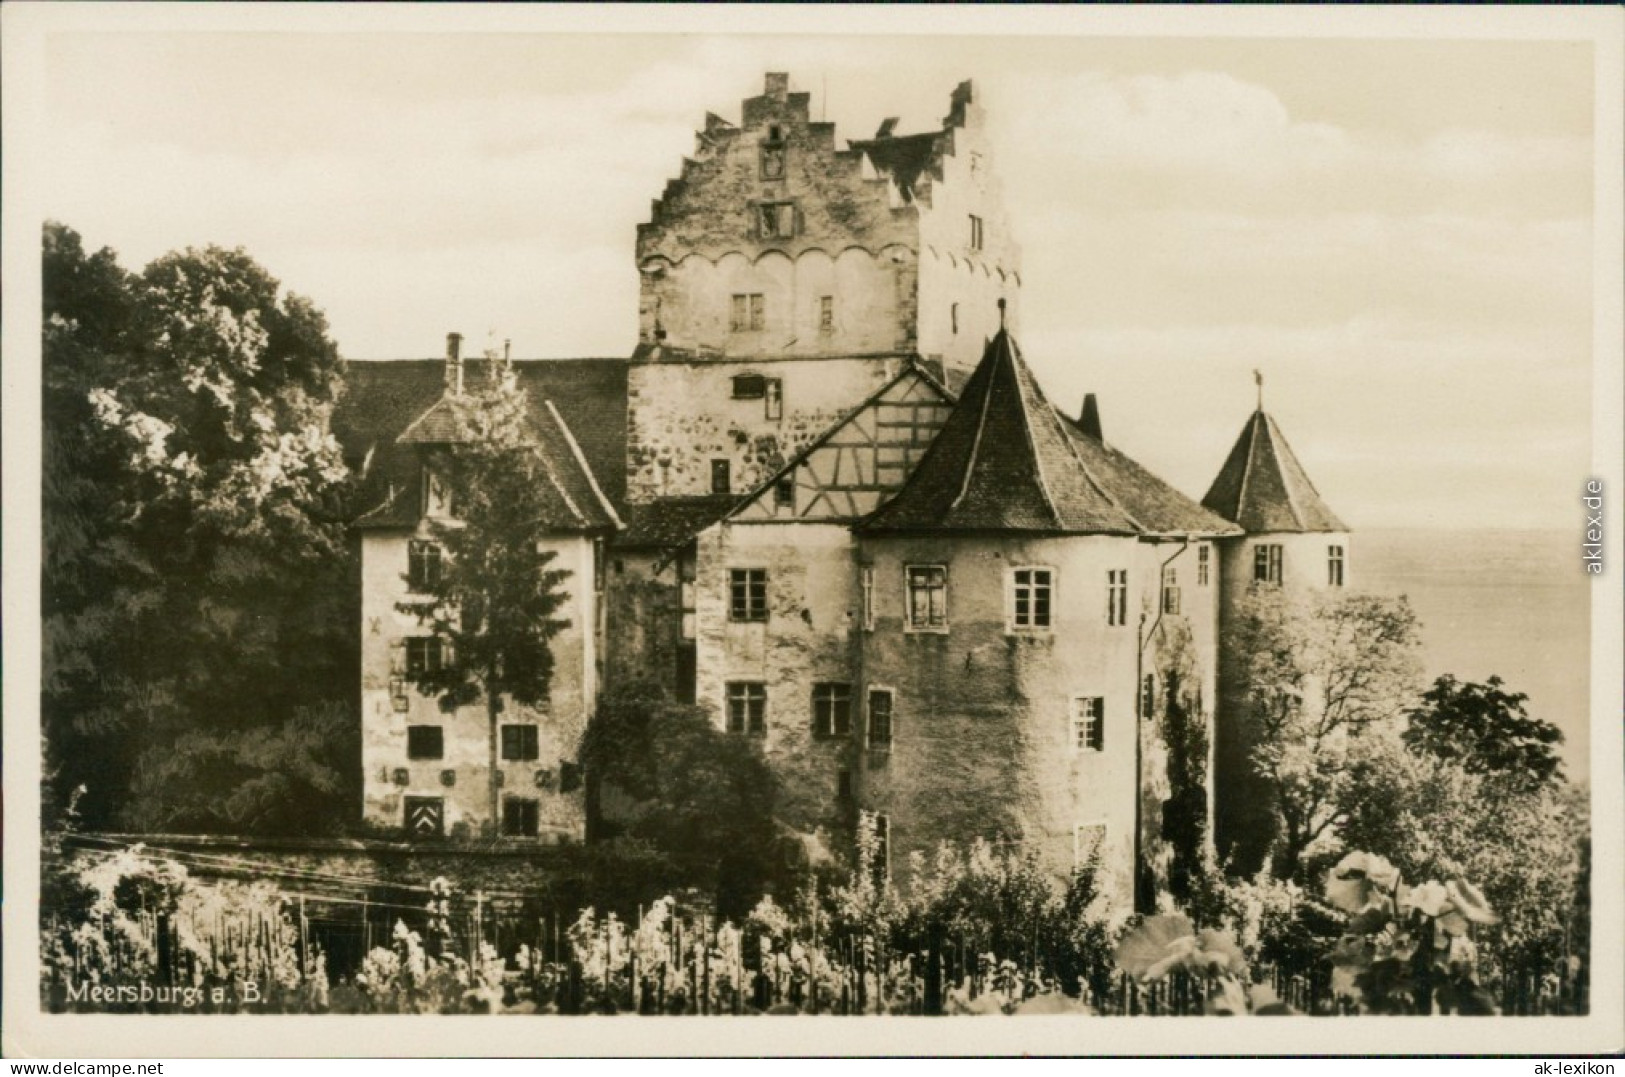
<point x="1263" y="488"/>
<point x="1004" y="461"/>
<point x="1156" y="506"/>
<point x="578" y="410"/>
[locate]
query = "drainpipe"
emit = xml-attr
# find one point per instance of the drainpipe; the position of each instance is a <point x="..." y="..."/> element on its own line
<point x="1139" y="750"/>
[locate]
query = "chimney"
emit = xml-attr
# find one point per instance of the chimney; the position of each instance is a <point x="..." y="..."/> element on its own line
<point x="777" y="84"/>
<point x="454" y="363"/>
<point x="1089" y="418"/>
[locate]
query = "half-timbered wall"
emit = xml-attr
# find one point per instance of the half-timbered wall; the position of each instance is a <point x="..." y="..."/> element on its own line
<point x="862" y="461"/>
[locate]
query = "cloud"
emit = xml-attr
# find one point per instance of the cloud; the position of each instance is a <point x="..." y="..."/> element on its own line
<point x="1205" y="139"/>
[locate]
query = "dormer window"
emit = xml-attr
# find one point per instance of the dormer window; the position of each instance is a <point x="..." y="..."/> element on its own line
<point x="436" y="495"/>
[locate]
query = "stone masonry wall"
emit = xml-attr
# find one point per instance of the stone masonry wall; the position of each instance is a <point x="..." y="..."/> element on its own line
<point x="386" y="714"/>
<point x="808" y="638"/>
<point x="1243" y="815"/>
<point x="982" y="722"/>
<point x="682" y="416"/>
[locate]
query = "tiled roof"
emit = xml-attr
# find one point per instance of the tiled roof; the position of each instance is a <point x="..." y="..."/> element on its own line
<point x="671" y="521"/>
<point x="1004" y="461"/>
<point x="1157" y="507"/>
<point x="382" y="400"/>
<point x="1263" y="488"/>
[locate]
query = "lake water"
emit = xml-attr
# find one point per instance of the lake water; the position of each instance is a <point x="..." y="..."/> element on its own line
<point x="1512" y="603"/>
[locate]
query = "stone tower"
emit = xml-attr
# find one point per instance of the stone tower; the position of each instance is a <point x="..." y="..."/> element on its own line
<point x="785" y="279"/>
<point x="1293" y="541"/>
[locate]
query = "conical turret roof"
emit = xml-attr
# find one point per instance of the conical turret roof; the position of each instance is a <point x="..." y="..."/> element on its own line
<point x="1263" y="488"/>
<point x="1003" y="461"/>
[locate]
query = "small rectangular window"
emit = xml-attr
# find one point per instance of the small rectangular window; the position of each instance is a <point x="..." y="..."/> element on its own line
<point x="784" y="491"/>
<point x="749" y="386"/>
<point x="721" y="477"/>
<point x="425" y="742"/>
<point x="773" y="393"/>
<point x="425" y="654"/>
<point x="520" y="743"/>
<point x="975" y="232"/>
<point x="747" y="594"/>
<point x="1030" y="598"/>
<point x="927" y="597"/>
<point x="777" y="220"/>
<point x="843" y="784"/>
<point x="1088" y="724"/>
<point x="422" y="566"/>
<point x="1148" y="696"/>
<point x="882" y="861"/>
<point x="747" y="312"/>
<point x="747" y="708"/>
<point x="521" y="817"/>
<point x="1117" y="597"/>
<point x="880" y="719"/>
<point x="832" y="710"/>
<point x="826" y="313"/>
<point x="866" y="583"/>
<point x="1334" y="566"/>
<point x="1170" y="590"/>
<point x="1267" y="563"/>
<point x="1202" y="565"/>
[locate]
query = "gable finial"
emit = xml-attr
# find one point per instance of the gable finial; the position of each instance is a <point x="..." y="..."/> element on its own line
<point x="1001" y="312"/>
<point x="1258" y="378"/>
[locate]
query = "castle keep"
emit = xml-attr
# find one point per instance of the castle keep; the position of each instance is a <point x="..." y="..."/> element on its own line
<point x="827" y="499"/>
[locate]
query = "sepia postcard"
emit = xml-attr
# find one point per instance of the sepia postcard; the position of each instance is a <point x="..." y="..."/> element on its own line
<point x="885" y="532"/>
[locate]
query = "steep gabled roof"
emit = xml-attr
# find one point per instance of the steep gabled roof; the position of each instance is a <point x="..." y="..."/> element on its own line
<point x="1263" y="488"/>
<point x="1004" y="461"/>
<point x="384" y="400"/>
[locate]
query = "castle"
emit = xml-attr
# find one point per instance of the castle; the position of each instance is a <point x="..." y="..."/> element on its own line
<point x="826" y="498"/>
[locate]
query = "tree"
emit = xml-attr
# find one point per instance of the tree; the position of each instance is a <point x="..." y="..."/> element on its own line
<point x="1523" y="843"/>
<point x="495" y="602"/>
<point x="195" y="578"/>
<point x="662" y="778"/>
<point x="1486" y="730"/>
<point x="1322" y="672"/>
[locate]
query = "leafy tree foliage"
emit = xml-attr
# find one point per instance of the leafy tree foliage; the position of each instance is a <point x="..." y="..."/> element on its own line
<point x="1323" y="672"/>
<point x="195" y="582"/>
<point x="1432" y="816"/>
<point x="496" y="599"/>
<point x="662" y="778"/>
<point x="1486" y="730"/>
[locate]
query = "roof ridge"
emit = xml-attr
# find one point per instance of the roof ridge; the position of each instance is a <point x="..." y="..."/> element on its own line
<point x="976" y="441"/>
<point x="1287" y="481"/>
<point x="1016" y="370"/>
<point x="581" y="460"/>
<point x="1088" y="472"/>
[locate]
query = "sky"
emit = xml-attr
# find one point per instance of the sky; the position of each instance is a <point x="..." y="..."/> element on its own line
<point x="1396" y="233"/>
